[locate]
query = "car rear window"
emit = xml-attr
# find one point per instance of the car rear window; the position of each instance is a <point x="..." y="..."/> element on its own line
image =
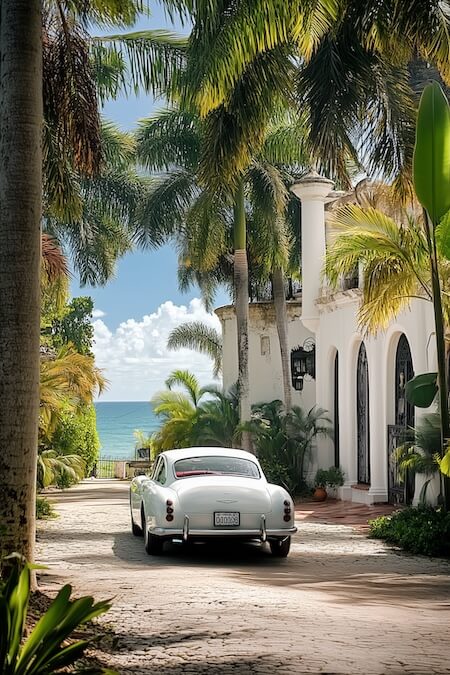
<point x="216" y="466"/>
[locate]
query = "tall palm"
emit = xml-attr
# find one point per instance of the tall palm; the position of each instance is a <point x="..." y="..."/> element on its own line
<point x="212" y="226"/>
<point x="20" y="174"/>
<point x="71" y="142"/>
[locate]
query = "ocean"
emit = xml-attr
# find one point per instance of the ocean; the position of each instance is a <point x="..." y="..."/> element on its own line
<point x="116" y="422"/>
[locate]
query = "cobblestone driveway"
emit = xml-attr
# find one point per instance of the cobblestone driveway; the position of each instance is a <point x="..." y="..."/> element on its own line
<point x="339" y="604"/>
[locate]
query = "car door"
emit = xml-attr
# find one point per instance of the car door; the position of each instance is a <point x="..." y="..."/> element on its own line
<point x="154" y="497"/>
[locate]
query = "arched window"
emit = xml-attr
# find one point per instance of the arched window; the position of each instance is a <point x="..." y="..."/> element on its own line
<point x="336" y="410"/>
<point x="404" y="411"/>
<point x="362" y="416"/>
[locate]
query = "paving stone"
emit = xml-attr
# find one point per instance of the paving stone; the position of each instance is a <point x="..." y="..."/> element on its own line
<point x="340" y="603"/>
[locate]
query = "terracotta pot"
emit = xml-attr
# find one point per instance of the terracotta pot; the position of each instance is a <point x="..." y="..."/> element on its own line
<point x="320" y="494"/>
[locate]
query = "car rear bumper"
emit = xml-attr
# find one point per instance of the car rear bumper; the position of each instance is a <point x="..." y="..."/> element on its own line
<point x="187" y="533"/>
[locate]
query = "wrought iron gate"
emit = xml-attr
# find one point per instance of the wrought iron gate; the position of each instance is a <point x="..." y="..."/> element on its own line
<point x="362" y="410"/>
<point x="400" y="491"/>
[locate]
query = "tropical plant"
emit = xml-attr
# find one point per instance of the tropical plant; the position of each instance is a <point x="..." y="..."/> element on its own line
<point x="284" y="440"/>
<point x="218" y="419"/>
<point x="332" y="477"/>
<point x="178" y="411"/>
<point x="201" y="337"/>
<point x="45" y="648"/>
<point x="58" y="469"/>
<point x="421" y="452"/>
<point x="67" y="382"/>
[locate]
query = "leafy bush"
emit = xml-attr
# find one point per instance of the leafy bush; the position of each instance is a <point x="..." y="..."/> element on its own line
<point x="284" y="441"/>
<point x="421" y="529"/>
<point x="44" y="509"/>
<point x="332" y="477"/>
<point x="76" y="434"/>
<point x="45" y="650"/>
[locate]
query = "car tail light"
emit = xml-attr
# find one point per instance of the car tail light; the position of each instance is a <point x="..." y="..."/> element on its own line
<point x="287" y="511"/>
<point x="169" y="510"/>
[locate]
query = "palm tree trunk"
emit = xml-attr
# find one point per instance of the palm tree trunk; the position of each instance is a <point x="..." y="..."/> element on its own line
<point x="20" y="215"/>
<point x="440" y="348"/>
<point x="279" y="301"/>
<point x="241" y="302"/>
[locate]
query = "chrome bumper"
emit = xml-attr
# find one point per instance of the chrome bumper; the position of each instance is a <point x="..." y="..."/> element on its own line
<point x="186" y="532"/>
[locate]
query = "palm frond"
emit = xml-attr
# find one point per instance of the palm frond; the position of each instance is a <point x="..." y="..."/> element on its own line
<point x="165" y="207"/>
<point x="154" y="60"/>
<point x="186" y="380"/>
<point x="394" y="260"/>
<point x="169" y="139"/>
<point x="228" y="38"/>
<point x="201" y="337"/>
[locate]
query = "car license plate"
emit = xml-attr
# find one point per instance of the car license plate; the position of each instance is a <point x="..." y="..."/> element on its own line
<point x="226" y="519"/>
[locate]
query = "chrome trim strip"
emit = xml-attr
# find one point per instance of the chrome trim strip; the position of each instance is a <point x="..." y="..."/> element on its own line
<point x="263" y="528"/>
<point x="186" y="528"/>
<point x="256" y="534"/>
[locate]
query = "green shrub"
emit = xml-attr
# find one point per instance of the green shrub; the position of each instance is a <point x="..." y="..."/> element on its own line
<point x="44" y="509"/>
<point x="332" y="477"/>
<point x="421" y="529"/>
<point x="76" y="434"/>
<point x="45" y="650"/>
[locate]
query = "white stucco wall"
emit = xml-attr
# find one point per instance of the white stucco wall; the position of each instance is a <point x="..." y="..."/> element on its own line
<point x="338" y="332"/>
<point x="265" y="374"/>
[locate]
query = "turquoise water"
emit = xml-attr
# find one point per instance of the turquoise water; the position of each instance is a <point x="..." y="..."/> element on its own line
<point x="116" y="422"/>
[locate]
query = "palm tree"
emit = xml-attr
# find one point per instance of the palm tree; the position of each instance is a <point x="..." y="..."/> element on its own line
<point x="20" y="174"/>
<point x="71" y="142"/>
<point x="213" y="226"/>
<point x="201" y="337"/>
<point x="178" y="411"/>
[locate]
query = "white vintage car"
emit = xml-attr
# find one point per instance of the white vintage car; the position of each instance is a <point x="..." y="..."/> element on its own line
<point x="198" y="493"/>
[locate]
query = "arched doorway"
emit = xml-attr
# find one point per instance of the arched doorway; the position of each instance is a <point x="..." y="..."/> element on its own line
<point x="362" y="416"/>
<point x="401" y="490"/>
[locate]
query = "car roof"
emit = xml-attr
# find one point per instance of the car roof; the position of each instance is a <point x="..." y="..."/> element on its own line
<point x="185" y="453"/>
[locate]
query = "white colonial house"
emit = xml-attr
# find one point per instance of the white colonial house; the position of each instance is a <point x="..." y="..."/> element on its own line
<point x="360" y="381"/>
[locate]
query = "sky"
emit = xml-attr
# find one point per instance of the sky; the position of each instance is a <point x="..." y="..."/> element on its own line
<point x="135" y="311"/>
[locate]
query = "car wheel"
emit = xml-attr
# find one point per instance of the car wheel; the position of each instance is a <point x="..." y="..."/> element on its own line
<point x="153" y="544"/>
<point x="280" y="547"/>
<point x="136" y="530"/>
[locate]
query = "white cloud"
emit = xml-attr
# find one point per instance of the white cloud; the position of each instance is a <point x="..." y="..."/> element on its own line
<point x="98" y="313"/>
<point x="135" y="358"/>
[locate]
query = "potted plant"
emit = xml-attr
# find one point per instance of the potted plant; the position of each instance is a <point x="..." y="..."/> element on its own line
<point x="331" y="478"/>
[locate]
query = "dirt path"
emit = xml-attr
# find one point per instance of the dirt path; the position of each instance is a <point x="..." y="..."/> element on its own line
<point x="339" y="604"/>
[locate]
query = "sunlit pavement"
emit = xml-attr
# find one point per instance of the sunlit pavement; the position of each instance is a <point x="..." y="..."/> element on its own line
<point x="339" y="604"/>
